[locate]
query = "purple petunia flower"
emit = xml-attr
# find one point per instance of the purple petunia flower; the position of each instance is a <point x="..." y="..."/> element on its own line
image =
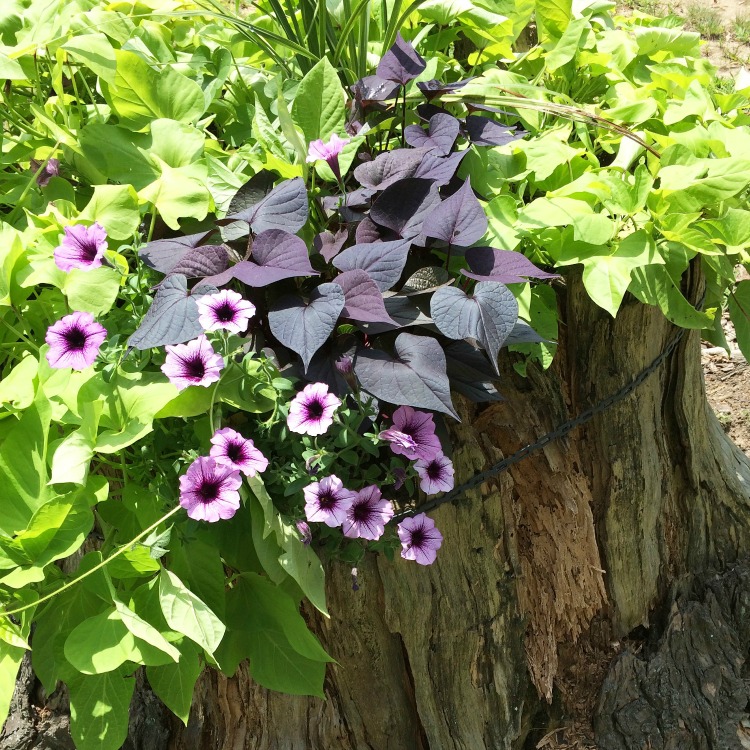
<point x="82" y="247"/>
<point x="311" y="411"/>
<point x="420" y="540"/>
<point x="328" y="152"/>
<point x="74" y="341"/>
<point x="328" y="501"/>
<point x="413" y="434"/>
<point x="436" y="475"/>
<point x="194" y="363"/>
<point x="305" y="535"/>
<point x="51" y="169"/>
<point x="209" y="490"/>
<point x="237" y="451"/>
<point x="225" y="310"/>
<point x="368" y="515"/>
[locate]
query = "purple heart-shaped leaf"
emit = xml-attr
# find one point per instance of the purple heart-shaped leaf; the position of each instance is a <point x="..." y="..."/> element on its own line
<point x="185" y="255"/>
<point x="389" y="167"/>
<point x="416" y="376"/>
<point x="363" y="301"/>
<point x="285" y="207"/>
<point x="304" y="328"/>
<point x="403" y="312"/>
<point x="434" y="88"/>
<point x="403" y="206"/>
<point x="488" y="316"/>
<point x="470" y="373"/>
<point x="372" y="89"/>
<point x="383" y="261"/>
<point x="442" y="134"/>
<point x="368" y="231"/>
<point x="329" y="245"/>
<point x="173" y="315"/>
<point x="486" y="132"/>
<point x="252" y="192"/>
<point x="523" y="333"/>
<point x="276" y="255"/>
<point x="401" y="63"/>
<point x="505" y="266"/>
<point x="458" y="220"/>
<point x="439" y="168"/>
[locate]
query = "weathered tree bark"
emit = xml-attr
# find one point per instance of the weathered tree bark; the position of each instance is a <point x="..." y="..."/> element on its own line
<point x="596" y="527"/>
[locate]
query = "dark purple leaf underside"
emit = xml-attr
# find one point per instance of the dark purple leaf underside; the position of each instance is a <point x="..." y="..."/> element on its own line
<point x="363" y="301"/>
<point x="368" y="232"/>
<point x="276" y="255"/>
<point x="434" y="88"/>
<point x="285" y="207"/>
<point x="388" y="167"/>
<point x="458" y="220"/>
<point x="383" y="261"/>
<point x="505" y="266"/>
<point x="488" y="316"/>
<point x="416" y="376"/>
<point x="442" y="134"/>
<point x="173" y="315"/>
<point x="164" y="255"/>
<point x="401" y="63"/>
<point x="304" y="328"/>
<point x="486" y="132"/>
<point x="329" y="245"/>
<point x="403" y="206"/>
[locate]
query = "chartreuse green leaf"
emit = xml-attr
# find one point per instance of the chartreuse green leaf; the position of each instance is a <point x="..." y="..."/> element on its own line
<point x="298" y="560"/>
<point x="318" y="107"/>
<point x="199" y="567"/>
<point x="96" y="52"/>
<point x="93" y="291"/>
<point x="552" y="17"/>
<point x="739" y="309"/>
<point x="99" y="709"/>
<point x="174" y="683"/>
<point x="101" y="644"/>
<point x="732" y="230"/>
<point x="144" y="631"/>
<point x="115" y="207"/>
<point x="18" y="387"/>
<point x="140" y="94"/>
<point x="588" y="226"/>
<point x="11" y="249"/>
<point x="72" y="456"/>
<point x="23" y="466"/>
<point x="187" y="614"/>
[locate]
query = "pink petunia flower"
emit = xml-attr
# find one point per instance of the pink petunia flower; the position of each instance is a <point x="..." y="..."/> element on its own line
<point x="368" y="515"/>
<point x="237" y="451"/>
<point x="329" y="152"/>
<point x="82" y="247"/>
<point x="225" y="310"/>
<point x="194" y="363"/>
<point x="328" y="501"/>
<point x="209" y="490"/>
<point x="413" y="434"/>
<point x="74" y="341"/>
<point x="436" y="475"/>
<point x="311" y="411"/>
<point x="420" y="540"/>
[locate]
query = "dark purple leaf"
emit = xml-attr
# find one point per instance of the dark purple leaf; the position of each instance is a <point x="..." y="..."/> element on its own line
<point x="252" y="192"/>
<point x="523" y="333"/>
<point x="363" y="301"/>
<point x="505" y="266"/>
<point x="458" y="220"/>
<point x="488" y="316"/>
<point x="427" y="111"/>
<point x="354" y="199"/>
<point x="329" y="245"/>
<point x="434" y="88"/>
<point x="426" y="279"/>
<point x="401" y="63"/>
<point x="383" y="261"/>
<point x="486" y="132"/>
<point x="372" y="89"/>
<point x="388" y="167"/>
<point x="439" y="168"/>
<point x="442" y="134"/>
<point x="368" y="232"/>
<point x="304" y="328"/>
<point x="470" y="373"/>
<point x="285" y="207"/>
<point x="416" y="376"/>
<point x="276" y="255"/>
<point x="403" y="206"/>
<point x="164" y="255"/>
<point x="403" y="312"/>
<point x="207" y="260"/>
<point x="173" y="315"/>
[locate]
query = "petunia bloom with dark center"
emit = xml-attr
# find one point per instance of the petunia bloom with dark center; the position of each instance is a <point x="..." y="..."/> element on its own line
<point x="239" y="452"/>
<point x="420" y="540"/>
<point x="328" y="151"/>
<point x="328" y="501"/>
<point x="226" y="310"/>
<point x="311" y="411"/>
<point x="82" y="247"/>
<point x="209" y="490"/>
<point x="194" y="363"/>
<point x="74" y="341"/>
<point x="436" y="475"/>
<point x="413" y="434"/>
<point x="368" y="515"/>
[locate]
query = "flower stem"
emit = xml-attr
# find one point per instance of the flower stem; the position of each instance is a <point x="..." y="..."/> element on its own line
<point x="97" y="567"/>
